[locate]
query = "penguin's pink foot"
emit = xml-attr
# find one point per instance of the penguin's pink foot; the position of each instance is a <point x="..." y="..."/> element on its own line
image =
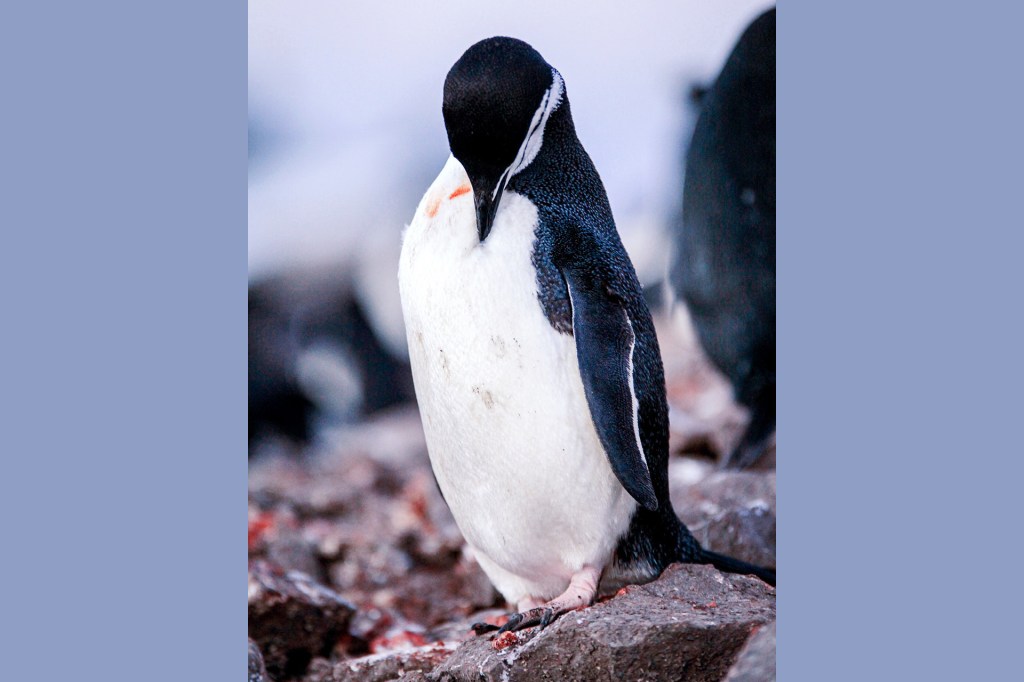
<point x="581" y="592"/>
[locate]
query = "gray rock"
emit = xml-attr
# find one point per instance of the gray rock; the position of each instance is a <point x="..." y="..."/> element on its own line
<point x="292" y="618"/>
<point x="689" y="624"/>
<point x="724" y="490"/>
<point x="756" y="662"/>
<point x="731" y="512"/>
<point x="257" y="671"/>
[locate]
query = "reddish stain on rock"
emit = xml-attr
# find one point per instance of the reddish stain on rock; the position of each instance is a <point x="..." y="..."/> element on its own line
<point x="504" y="641"/>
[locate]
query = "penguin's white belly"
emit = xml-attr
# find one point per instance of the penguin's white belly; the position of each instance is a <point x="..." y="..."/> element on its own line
<point x="508" y="428"/>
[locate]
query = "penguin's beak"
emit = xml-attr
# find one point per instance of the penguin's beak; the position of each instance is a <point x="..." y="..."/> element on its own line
<point x="487" y="199"/>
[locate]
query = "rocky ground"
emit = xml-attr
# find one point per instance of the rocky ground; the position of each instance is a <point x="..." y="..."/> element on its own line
<point x="358" y="572"/>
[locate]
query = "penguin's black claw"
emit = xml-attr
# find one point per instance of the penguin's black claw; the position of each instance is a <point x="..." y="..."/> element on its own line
<point x="482" y="628"/>
<point x="515" y="622"/>
<point x="542" y="616"/>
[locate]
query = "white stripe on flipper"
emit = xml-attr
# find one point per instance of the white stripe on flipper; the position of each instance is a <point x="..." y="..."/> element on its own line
<point x="632" y="394"/>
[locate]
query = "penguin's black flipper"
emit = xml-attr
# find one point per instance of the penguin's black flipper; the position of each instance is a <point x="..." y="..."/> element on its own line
<point x="604" y="348"/>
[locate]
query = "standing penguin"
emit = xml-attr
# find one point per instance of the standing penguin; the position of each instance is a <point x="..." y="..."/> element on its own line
<point x="534" y="357"/>
<point x="724" y="268"/>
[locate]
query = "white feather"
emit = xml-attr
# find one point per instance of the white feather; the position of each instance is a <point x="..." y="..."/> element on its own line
<point x="507" y="424"/>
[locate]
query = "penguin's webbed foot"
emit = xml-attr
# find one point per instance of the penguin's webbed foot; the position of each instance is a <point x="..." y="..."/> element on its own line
<point x="581" y="593"/>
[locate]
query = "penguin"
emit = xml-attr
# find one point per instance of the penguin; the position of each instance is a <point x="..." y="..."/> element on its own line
<point x="724" y="264"/>
<point x="534" y="357"/>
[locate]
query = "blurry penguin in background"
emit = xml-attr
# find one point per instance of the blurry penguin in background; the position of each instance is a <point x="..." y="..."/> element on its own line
<point x="724" y="264"/>
<point x="314" y="359"/>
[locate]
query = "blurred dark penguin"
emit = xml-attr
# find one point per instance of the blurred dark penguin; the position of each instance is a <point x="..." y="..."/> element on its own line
<point x="724" y="265"/>
<point x="277" y="406"/>
<point x="314" y="359"/>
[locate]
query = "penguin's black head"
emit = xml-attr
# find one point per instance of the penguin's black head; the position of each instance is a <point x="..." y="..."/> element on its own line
<point x="497" y="100"/>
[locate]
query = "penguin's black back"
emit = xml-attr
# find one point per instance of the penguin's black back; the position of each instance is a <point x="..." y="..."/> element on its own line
<point x="724" y="268"/>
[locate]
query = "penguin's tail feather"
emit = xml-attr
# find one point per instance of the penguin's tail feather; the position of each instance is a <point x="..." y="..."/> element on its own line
<point x="730" y="565"/>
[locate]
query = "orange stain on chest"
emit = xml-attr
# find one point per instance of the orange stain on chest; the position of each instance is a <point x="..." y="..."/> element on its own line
<point x="435" y="204"/>
<point x="464" y="189"/>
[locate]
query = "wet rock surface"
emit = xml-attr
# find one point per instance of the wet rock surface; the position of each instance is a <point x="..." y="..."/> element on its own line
<point x="358" y="571"/>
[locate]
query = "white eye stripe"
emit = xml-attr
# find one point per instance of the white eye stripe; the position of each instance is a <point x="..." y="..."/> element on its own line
<point x="530" y="147"/>
<point x="538" y="121"/>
